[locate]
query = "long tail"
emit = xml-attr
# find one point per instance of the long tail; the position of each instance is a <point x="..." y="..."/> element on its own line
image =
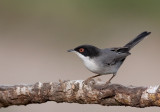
<point x="136" y="40"/>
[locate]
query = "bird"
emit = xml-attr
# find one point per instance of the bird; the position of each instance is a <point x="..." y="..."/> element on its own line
<point x="108" y="60"/>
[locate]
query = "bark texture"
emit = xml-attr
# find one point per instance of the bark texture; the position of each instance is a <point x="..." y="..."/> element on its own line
<point x="76" y="91"/>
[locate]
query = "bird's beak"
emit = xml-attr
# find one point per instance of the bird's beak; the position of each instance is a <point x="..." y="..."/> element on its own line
<point x="71" y="50"/>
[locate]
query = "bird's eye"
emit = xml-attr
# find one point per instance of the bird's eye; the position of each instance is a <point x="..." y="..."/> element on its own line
<point x="81" y="50"/>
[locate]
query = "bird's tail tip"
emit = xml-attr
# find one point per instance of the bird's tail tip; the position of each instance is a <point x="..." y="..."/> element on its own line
<point x="136" y="40"/>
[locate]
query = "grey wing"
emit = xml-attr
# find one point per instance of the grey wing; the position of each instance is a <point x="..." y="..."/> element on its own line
<point x="111" y="57"/>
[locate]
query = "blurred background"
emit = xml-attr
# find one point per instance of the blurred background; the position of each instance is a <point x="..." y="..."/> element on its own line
<point x="36" y="34"/>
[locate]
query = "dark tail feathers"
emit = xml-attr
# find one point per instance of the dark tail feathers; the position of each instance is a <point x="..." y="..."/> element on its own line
<point x="136" y="40"/>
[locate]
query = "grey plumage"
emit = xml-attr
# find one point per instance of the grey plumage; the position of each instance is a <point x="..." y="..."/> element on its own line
<point x="111" y="59"/>
<point x="106" y="61"/>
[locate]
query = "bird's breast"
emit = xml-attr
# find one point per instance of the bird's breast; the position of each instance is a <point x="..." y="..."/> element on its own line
<point x="91" y="65"/>
<point x="100" y="69"/>
<point x="95" y="67"/>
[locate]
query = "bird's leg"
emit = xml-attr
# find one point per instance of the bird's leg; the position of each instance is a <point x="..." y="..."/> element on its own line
<point x="88" y="79"/>
<point x="110" y="79"/>
<point x="101" y="87"/>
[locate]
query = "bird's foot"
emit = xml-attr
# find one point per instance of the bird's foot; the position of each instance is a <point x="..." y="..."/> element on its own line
<point x="89" y="81"/>
<point x="101" y="87"/>
<point x="107" y="82"/>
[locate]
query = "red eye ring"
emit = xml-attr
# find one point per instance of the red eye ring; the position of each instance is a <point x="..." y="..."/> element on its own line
<point x="81" y="50"/>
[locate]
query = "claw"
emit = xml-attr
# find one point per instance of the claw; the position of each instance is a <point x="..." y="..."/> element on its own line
<point x="88" y="81"/>
<point x="101" y="87"/>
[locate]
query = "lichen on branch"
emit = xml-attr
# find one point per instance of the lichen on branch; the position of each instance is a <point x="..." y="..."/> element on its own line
<point x="75" y="91"/>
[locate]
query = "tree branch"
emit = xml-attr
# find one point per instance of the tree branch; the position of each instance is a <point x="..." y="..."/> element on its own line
<point x="76" y="91"/>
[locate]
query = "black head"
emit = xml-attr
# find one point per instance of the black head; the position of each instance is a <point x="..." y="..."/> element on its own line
<point x="87" y="50"/>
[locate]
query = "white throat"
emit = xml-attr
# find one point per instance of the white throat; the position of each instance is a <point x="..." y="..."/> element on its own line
<point x="88" y="62"/>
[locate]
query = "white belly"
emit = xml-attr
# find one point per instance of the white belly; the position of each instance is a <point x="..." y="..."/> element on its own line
<point x="98" y="69"/>
<point x="91" y="65"/>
